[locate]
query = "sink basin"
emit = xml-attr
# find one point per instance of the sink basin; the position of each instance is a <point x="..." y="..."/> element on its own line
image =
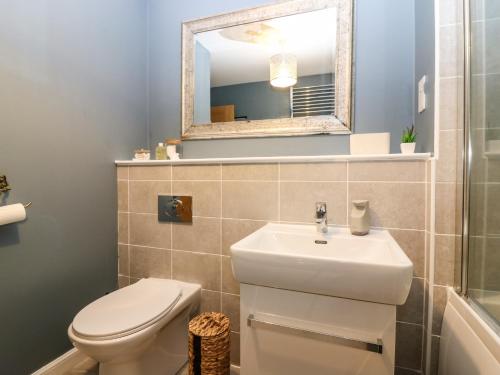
<point x="296" y="257"/>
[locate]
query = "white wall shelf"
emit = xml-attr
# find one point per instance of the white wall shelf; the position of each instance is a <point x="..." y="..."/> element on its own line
<point x="278" y="159"/>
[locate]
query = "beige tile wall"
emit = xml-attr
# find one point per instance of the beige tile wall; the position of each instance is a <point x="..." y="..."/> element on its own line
<point x="231" y="201"/>
<point x="445" y="237"/>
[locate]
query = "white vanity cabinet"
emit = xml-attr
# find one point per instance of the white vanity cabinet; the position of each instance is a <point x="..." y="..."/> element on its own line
<point x="294" y="333"/>
<point x="319" y="303"/>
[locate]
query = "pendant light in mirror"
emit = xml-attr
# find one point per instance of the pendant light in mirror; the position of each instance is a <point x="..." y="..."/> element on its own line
<point x="283" y="70"/>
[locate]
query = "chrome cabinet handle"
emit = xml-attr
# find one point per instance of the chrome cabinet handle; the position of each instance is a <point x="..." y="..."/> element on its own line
<point x="375" y="347"/>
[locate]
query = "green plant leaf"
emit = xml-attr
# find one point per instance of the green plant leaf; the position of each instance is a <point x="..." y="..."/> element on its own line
<point x="409" y="135"/>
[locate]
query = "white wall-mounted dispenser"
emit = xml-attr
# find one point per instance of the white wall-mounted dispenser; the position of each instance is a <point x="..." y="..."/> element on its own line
<point x="360" y="217"/>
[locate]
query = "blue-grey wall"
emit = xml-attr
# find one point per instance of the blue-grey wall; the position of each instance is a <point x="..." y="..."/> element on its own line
<point x="424" y="65"/>
<point x="384" y="78"/>
<point x="260" y="100"/>
<point x="74" y="97"/>
<point x="201" y="85"/>
<point x="255" y="100"/>
<point x="72" y="100"/>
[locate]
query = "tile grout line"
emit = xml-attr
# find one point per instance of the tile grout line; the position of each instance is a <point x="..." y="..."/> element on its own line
<point x="128" y="224"/>
<point x="410" y="323"/>
<point x="410" y="369"/>
<point x="449" y="25"/>
<point x="171" y="228"/>
<point x="291" y="222"/>
<point x="220" y="235"/>
<point x="430" y="274"/>
<point x="484" y="75"/>
<point x="441" y="285"/>
<point x="230" y="294"/>
<point x="427" y="219"/>
<point x="484" y="20"/>
<point x="215" y="291"/>
<point x="301" y="181"/>
<point x="451" y="77"/>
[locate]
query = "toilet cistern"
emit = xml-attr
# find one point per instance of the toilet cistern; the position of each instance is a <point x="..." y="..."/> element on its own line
<point x="321" y="217"/>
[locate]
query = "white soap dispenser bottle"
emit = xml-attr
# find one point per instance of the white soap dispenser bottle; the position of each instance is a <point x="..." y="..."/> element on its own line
<point x="360" y="218"/>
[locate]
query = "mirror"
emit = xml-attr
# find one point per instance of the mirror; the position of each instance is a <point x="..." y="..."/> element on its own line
<point x="277" y="70"/>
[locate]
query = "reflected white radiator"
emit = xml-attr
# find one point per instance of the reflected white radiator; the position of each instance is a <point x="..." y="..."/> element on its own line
<point x="312" y="100"/>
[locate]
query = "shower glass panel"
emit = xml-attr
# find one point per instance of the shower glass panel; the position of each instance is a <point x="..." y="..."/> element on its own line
<point x="484" y="154"/>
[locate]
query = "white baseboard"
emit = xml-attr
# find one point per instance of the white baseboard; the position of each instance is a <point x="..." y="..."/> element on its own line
<point x="74" y="360"/>
<point x="71" y="360"/>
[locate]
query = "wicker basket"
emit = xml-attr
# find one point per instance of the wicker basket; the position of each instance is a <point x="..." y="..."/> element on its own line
<point x="209" y="344"/>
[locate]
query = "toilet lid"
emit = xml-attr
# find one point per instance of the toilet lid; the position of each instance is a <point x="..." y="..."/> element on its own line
<point x="128" y="308"/>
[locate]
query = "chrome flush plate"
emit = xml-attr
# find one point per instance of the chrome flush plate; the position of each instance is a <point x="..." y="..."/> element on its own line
<point x="175" y="208"/>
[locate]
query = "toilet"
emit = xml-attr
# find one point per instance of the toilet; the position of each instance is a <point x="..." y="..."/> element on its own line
<point x="141" y="329"/>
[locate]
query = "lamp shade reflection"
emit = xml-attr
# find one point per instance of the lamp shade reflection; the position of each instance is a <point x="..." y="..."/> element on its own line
<point x="283" y="70"/>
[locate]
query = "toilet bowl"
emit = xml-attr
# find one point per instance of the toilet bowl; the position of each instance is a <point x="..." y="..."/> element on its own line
<point x="141" y="329"/>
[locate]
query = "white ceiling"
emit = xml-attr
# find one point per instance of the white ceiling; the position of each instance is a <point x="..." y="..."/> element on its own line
<point x="240" y="54"/>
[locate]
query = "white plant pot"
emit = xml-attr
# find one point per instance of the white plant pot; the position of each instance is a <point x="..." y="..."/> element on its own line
<point x="408" y="148"/>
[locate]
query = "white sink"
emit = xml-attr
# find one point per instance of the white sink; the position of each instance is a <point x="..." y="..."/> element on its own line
<point x="295" y="257"/>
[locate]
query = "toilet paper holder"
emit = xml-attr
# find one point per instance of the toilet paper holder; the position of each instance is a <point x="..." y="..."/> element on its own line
<point x="4" y="188"/>
<point x="4" y="185"/>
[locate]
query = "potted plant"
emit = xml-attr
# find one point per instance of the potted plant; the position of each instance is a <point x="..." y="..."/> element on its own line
<point x="408" y="140"/>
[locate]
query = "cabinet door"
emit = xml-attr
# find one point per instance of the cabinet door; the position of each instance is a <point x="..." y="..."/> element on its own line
<point x="293" y="333"/>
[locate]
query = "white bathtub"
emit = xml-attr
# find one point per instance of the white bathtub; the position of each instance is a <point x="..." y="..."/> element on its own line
<point x="490" y="299"/>
<point x="468" y="345"/>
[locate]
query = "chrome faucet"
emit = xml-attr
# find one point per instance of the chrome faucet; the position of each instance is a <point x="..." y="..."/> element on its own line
<point x="321" y="220"/>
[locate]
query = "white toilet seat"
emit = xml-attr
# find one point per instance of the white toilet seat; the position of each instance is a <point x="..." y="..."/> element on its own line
<point x="127" y="311"/>
<point x="139" y="329"/>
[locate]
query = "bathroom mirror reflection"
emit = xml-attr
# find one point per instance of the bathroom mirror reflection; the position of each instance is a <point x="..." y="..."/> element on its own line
<point x="267" y="71"/>
<point x="278" y="68"/>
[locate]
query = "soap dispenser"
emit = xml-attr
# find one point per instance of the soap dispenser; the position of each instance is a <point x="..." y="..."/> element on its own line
<point x="161" y="152"/>
<point x="360" y="218"/>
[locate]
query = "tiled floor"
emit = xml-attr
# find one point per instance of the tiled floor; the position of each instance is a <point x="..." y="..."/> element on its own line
<point x="185" y="371"/>
<point x="86" y="368"/>
<point x="95" y="371"/>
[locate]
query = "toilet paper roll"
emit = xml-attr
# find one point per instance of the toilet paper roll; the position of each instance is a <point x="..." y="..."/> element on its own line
<point x="12" y="213"/>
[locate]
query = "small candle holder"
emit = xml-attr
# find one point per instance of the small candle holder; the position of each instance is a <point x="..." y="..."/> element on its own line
<point x="142" y="154"/>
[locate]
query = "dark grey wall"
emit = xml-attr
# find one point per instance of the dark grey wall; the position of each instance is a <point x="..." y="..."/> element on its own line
<point x="260" y="100"/>
<point x="384" y="75"/>
<point x="72" y="100"/>
<point x="424" y="65"/>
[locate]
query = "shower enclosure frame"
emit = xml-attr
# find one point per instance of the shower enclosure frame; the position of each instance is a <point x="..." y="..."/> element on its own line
<point x="461" y="281"/>
<point x="462" y="273"/>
